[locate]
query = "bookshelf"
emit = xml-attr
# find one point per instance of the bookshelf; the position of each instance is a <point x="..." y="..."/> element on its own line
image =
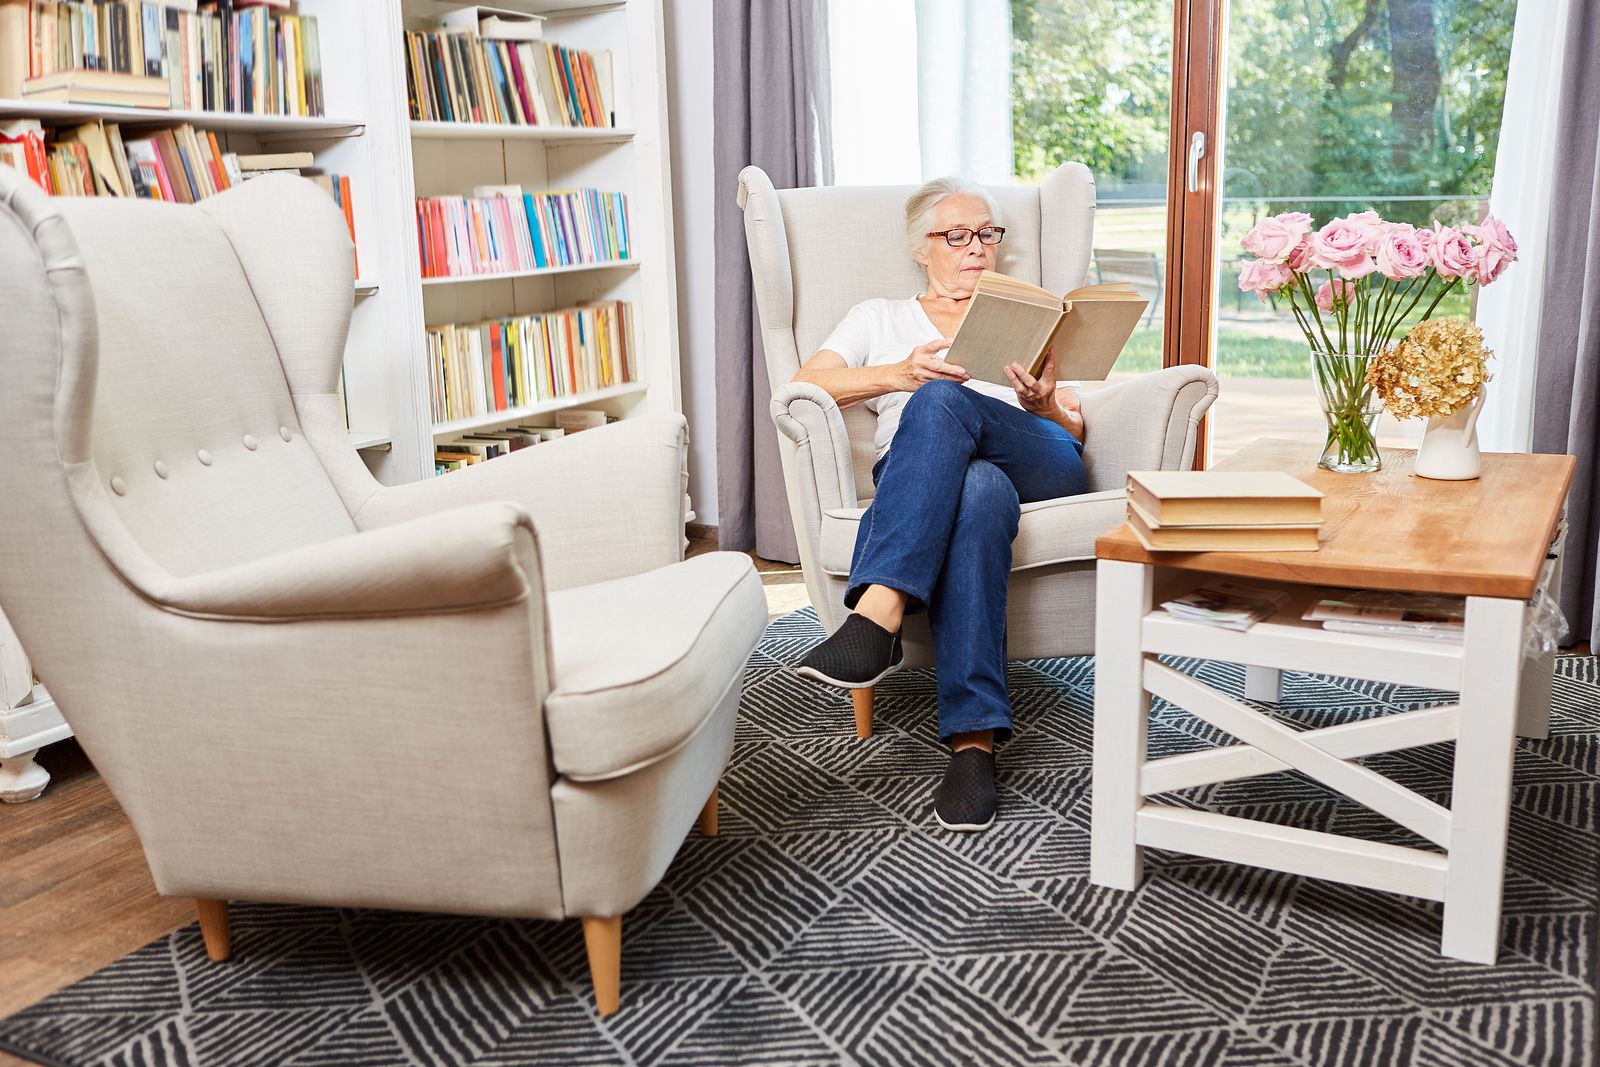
<point x="451" y="158"/>
<point x="368" y="134"/>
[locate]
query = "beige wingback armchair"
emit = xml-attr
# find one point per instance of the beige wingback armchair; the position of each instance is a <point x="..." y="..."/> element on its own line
<point x="497" y="692"/>
<point x="807" y="277"/>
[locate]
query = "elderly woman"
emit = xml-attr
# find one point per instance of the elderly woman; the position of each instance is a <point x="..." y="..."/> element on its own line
<point x="956" y="460"/>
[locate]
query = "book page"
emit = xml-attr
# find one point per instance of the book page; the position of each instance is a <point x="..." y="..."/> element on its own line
<point x="998" y="331"/>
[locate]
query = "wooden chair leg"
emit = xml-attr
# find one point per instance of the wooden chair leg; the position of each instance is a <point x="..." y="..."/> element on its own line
<point x="214" y="928"/>
<point x="862" y="698"/>
<point x="603" y="939"/>
<point x="708" y="814"/>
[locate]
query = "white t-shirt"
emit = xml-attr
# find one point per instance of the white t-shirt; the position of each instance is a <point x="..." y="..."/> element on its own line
<point x="875" y="332"/>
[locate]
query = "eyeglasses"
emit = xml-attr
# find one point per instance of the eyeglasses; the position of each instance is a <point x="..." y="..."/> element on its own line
<point x="961" y="236"/>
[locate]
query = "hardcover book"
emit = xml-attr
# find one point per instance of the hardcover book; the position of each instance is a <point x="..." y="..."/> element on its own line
<point x="1012" y="321"/>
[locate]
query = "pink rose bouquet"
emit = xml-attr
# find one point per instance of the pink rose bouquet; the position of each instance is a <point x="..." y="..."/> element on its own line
<point x="1355" y="284"/>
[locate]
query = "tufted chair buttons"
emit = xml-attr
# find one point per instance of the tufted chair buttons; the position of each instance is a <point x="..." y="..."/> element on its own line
<point x="204" y="457"/>
<point x="250" y="442"/>
<point x="118" y="486"/>
<point x="283" y="432"/>
<point x="161" y="469"/>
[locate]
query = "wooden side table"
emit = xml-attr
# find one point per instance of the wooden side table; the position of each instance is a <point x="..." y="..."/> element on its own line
<point x="1488" y="540"/>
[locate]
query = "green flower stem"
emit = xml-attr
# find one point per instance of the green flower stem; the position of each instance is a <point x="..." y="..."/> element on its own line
<point x="1346" y="404"/>
<point x="1311" y="304"/>
<point x="1453" y="283"/>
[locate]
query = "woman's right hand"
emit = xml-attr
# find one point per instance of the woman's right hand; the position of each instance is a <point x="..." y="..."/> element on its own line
<point x="925" y="365"/>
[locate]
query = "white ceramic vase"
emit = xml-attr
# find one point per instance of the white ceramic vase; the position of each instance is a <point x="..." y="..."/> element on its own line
<point x="1449" y="449"/>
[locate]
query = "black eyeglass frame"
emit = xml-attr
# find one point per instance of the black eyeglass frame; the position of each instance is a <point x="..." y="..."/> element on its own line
<point x="998" y="231"/>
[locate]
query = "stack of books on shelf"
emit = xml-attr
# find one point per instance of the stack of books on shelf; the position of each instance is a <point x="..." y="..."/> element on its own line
<point x="457" y="76"/>
<point x="250" y="56"/>
<point x="502" y="228"/>
<point x="1223" y="511"/>
<point x="472" y="448"/>
<point x="501" y="364"/>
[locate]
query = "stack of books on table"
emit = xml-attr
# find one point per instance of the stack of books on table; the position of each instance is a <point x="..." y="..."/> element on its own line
<point x="1223" y="511"/>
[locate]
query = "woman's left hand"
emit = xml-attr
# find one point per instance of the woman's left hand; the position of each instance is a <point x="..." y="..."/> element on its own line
<point x="1037" y="395"/>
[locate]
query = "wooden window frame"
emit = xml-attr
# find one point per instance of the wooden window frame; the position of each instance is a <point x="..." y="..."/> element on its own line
<point x="1190" y="293"/>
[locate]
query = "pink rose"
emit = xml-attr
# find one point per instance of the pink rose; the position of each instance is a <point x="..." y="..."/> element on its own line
<point x="1497" y="249"/>
<point x="1338" y="290"/>
<point x="1452" y="254"/>
<point x="1274" y="238"/>
<point x="1342" y="245"/>
<point x="1263" y="276"/>
<point x="1300" y="258"/>
<point x="1401" y="255"/>
<point x="1369" y="223"/>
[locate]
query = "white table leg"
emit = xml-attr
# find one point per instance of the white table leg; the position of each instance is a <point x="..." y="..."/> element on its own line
<point x="21" y="779"/>
<point x="1123" y="594"/>
<point x="1538" y="677"/>
<point x="1480" y="808"/>
<point x="1263" y="683"/>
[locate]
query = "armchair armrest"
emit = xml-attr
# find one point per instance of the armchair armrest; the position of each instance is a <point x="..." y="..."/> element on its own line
<point x="460" y="560"/>
<point x="608" y="502"/>
<point x="823" y="475"/>
<point x="1149" y="423"/>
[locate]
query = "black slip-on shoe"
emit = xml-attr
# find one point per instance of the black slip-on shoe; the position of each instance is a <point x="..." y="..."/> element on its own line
<point x="859" y="654"/>
<point x="965" y="800"/>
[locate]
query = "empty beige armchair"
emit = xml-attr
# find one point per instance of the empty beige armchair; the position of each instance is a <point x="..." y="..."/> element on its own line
<point x="498" y="692"/>
<point x="806" y="278"/>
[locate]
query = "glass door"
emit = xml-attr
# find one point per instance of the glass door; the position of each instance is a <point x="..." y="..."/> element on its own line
<point x="1092" y="82"/>
<point x="1333" y="108"/>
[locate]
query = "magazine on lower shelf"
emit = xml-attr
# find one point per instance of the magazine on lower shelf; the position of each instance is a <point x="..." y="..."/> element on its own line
<point x="1438" y="618"/>
<point x="1230" y="605"/>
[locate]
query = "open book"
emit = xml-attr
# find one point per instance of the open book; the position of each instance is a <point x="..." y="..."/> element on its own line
<point x="1011" y="321"/>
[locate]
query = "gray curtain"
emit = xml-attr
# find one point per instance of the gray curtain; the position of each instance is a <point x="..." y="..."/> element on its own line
<point x="1566" y="414"/>
<point x="771" y="86"/>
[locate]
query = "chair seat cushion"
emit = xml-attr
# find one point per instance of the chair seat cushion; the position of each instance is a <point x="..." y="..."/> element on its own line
<point x="641" y="661"/>
<point x="1050" y="531"/>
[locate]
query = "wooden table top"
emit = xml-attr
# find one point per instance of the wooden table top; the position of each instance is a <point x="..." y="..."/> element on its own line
<point x="1393" y="530"/>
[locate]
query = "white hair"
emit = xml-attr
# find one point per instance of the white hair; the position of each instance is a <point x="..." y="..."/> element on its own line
<point x="921" y="204"/>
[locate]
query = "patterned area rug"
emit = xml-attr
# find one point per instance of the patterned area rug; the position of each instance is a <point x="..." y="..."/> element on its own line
<point x="833" y="922"/>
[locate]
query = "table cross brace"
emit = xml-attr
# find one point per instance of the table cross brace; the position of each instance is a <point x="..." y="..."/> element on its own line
<point x="1350" y="740"/>
<point x="1288" y="747"/>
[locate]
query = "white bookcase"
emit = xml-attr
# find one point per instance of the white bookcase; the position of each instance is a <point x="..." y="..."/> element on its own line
<point x="442" y="159"/>
<point x="368" y="134"/>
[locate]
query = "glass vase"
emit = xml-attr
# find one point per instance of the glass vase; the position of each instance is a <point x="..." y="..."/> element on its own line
<point x="1350" y="407"/>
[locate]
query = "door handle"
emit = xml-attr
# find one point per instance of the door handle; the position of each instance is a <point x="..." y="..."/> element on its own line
<point x="1197" y="150"/>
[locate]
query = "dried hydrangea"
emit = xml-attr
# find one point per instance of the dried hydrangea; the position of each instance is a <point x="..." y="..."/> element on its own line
<point x="1437" y="369"/>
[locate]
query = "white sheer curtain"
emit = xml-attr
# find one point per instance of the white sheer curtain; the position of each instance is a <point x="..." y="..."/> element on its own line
<point x="872" y="52"/>
<point x="1508" y="310"/>
<point x="921" y="88"/>
<point x="964" y="88"/>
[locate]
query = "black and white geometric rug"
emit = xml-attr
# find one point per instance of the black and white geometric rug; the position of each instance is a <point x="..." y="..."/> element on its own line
<point x="833" y="922"/>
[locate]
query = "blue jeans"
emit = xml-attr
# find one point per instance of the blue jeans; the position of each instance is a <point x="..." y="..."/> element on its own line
<point x="940" y="531"/>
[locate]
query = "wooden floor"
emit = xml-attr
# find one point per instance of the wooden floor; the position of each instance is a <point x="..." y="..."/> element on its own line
<point x="75" y="894"/>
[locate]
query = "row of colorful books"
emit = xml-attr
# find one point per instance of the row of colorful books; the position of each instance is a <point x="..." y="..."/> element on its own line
<point x="461" y="77"/>
<point x="500" y="364"/>
<point x="179" y="164"/>
<point x="515" y="231"/>
<point x="227" y="55"/>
